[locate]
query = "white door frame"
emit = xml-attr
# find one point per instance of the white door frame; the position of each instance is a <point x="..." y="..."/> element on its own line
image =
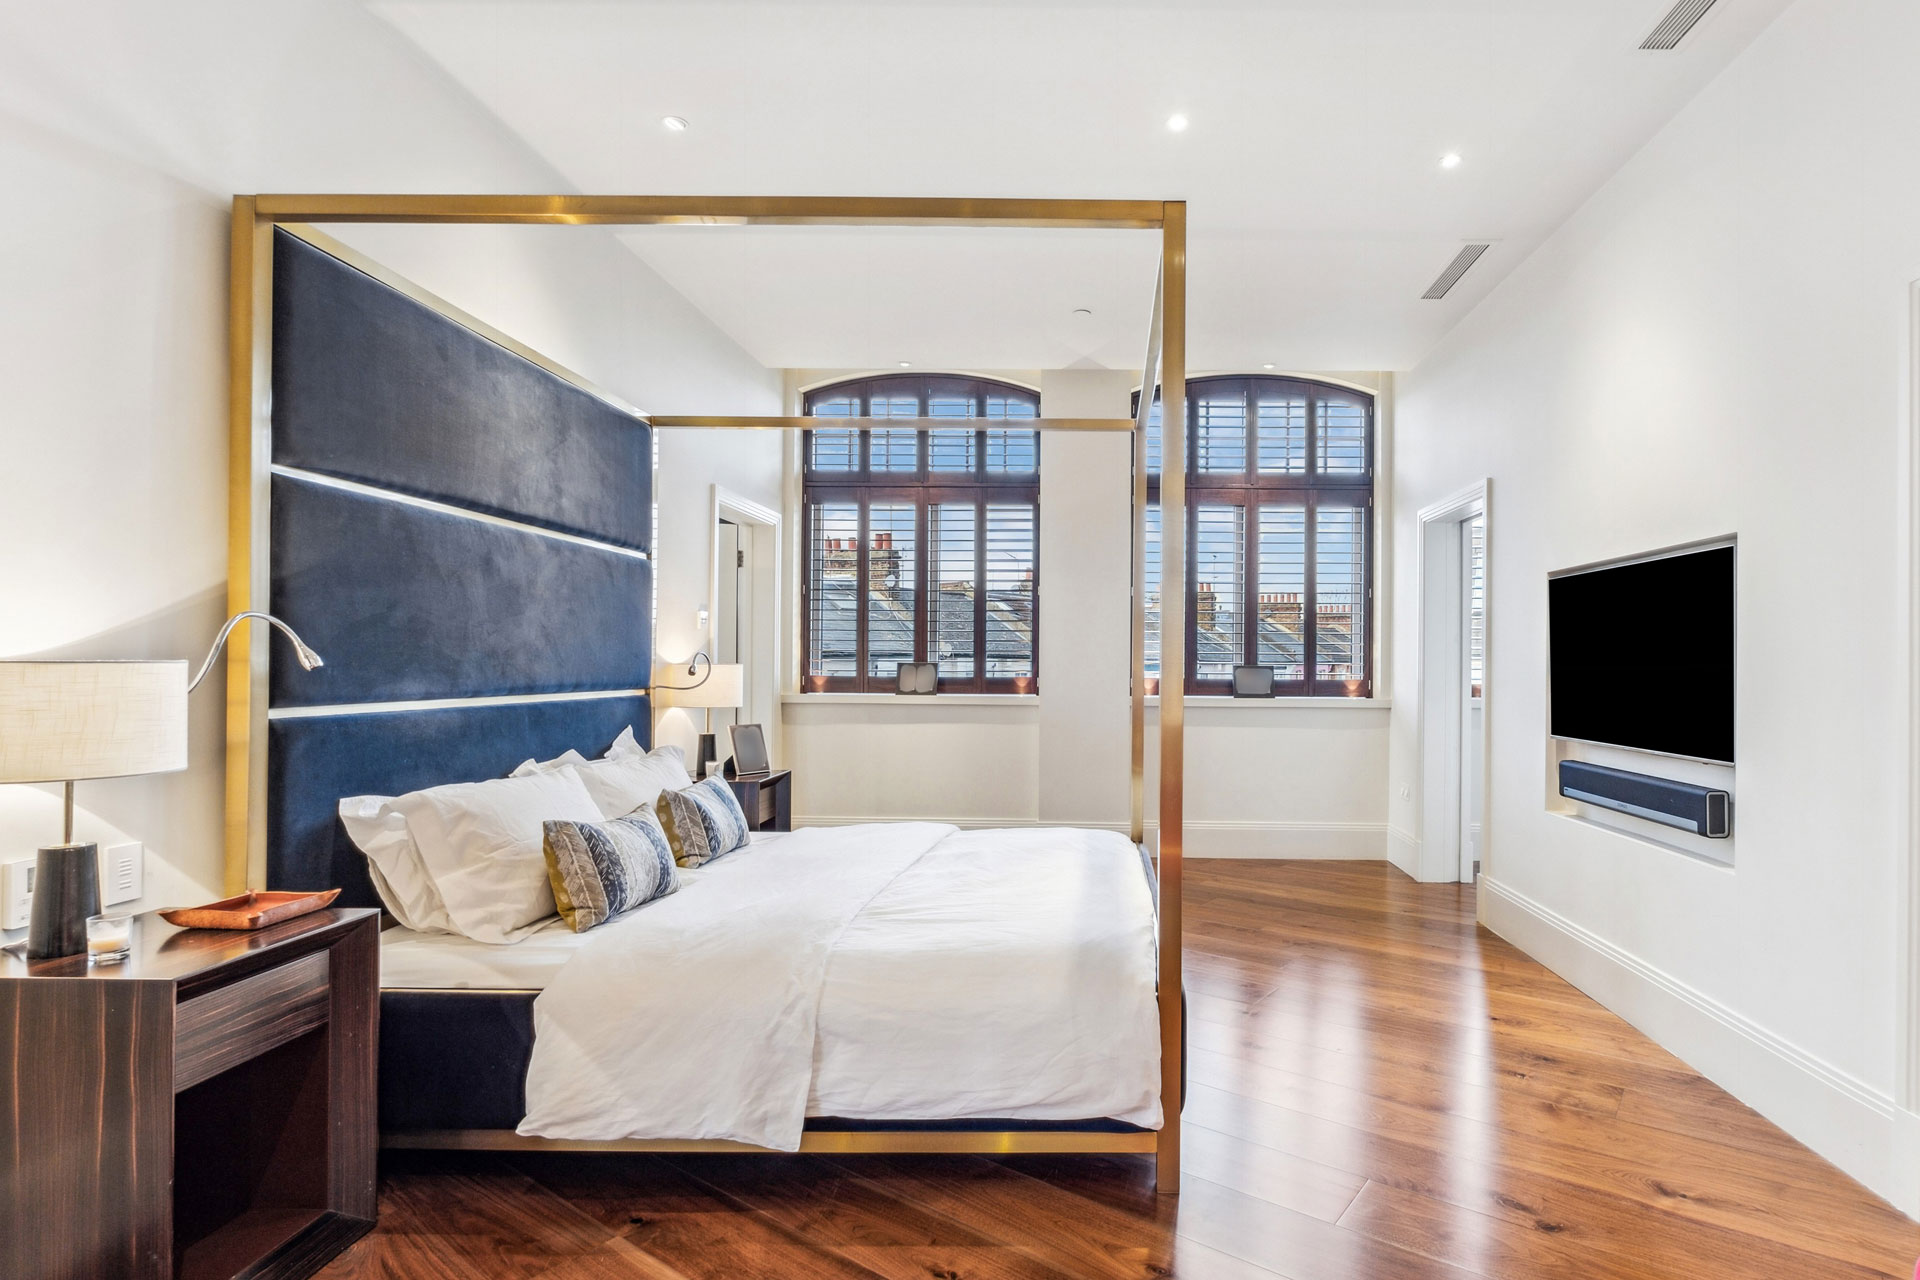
<point x="1908" y="979"/>
<point x="1440" y="700"/>
<point x="761" y="650"/>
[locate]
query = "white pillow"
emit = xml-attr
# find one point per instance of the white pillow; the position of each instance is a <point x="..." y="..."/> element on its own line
<point x="566" y="760"/>
<point x="625" y="744"/>
<point x="481" y="844"/>
<point x="393" y="863"/>
<point x="621" y="783"/>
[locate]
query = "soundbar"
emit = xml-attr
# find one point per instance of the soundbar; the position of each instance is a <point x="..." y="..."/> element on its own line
<point x="1705" y="811"/>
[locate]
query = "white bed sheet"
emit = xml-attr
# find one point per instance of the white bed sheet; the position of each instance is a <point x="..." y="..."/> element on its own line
<point x="447" y="961"/>
<point x="1005" y="974"/>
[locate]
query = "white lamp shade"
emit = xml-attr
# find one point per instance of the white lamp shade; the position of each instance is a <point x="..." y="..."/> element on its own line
<point x="725" y="686"/>
<point x="61" y="721"/>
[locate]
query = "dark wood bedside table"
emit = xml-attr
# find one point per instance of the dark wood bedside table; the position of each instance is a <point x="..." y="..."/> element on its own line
<point x="203" y="1109"/>
<point x="767" y="799"/>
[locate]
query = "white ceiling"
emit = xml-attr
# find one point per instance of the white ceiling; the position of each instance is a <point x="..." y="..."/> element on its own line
<point x="1318" y="209"/>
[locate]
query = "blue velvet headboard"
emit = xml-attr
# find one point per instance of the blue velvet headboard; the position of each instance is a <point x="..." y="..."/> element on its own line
<point x="462" y="534"/>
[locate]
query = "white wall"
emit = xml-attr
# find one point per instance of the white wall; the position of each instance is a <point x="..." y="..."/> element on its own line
<point x="1719" y="342"/>
<point x="1263" y="780"/>
<point x="124" y="130"/>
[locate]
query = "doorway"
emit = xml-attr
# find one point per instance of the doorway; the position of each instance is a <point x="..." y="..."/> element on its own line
<point x="1454" y="687"/>
<point x="729" y="603"/>
<point x="743" y="610"/>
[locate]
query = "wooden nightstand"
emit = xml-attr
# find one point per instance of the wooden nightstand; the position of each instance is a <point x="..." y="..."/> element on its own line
<point x="767" y="799"/>
<point x="203" y="1109"/>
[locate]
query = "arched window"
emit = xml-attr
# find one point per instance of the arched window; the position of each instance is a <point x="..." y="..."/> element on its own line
<point x="922" y="546"/>
<point x="1279" y="535"/>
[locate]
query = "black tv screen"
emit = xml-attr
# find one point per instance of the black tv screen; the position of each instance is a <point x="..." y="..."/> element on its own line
<point x="1641" y="654"/>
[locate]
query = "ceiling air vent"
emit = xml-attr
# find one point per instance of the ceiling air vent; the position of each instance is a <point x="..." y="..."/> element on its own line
<point x="1455" y="269"/>
<point x="1674" y="27"/>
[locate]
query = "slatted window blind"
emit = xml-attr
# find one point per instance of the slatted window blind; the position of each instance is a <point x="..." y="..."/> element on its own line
<point x="835" y="450"/>
<point x="1340" y="577"/>
<point x="1280" y="500"/>
<point x="833" y="605"/>
<point x="1342" y="433"/>
<point x="1219" y="589"/>
<point x="1011" y="557"/>
<point x="922" y="546"/>
<point x="1280" y="603"/>
<point x="1153" y="596"/>
<point x="951" y="450"/>
<point x="1220" y="434"/>
<point x="892" y="564"/>
<point x="893" y="450"/>
<point x="1012" y="453"/>
<point x="953" y="536"/>
<point x="1282" y="425"/>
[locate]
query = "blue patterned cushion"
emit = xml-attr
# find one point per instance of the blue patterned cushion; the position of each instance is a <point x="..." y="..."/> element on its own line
<point x="600" y="869"/>
<point x="702" y="821"/>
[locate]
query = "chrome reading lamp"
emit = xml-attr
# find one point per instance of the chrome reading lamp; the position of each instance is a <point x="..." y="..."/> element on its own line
<point x="65" y="721"/>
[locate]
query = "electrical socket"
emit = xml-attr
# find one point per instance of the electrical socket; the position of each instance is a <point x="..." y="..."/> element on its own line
<point x="122" y="874"/>
<point x="16" y="893"/>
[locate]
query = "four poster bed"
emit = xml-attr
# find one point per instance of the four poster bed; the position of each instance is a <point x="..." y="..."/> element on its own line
<point x="464" y="529"/>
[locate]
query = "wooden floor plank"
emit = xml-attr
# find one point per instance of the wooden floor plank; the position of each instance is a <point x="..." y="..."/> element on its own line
<point x="1380" y="1090"/>
<point x="1503" y="1248"/>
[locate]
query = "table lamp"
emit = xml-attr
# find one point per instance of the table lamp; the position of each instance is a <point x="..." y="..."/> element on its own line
<point x="704" y="683"/>
<point x="64" y="721"/>
<point x="68" y="721"/>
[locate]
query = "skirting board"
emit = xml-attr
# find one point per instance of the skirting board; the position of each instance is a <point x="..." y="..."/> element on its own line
<point x="1860" y="1129"/>
<point x="1303" y="841"/>
<point x="1403" y="851"/>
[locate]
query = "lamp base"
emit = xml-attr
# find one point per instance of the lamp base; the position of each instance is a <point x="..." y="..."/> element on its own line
<point x="707" y="755"/>
<point x="66" y="890"/>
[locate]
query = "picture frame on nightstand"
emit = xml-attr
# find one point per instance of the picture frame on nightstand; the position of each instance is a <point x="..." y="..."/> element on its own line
<point x="749" y="750"/>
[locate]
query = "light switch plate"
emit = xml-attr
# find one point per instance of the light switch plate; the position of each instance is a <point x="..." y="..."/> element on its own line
<point x="16" y="893"/>
<point x="122" y="874"/>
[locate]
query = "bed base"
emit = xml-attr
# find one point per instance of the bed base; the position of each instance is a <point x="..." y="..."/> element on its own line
<point x="840" y="1142"/>
<point x="453" y="1067"/>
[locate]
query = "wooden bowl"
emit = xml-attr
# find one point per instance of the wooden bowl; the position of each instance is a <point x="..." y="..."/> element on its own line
<point x="249" y="910"/>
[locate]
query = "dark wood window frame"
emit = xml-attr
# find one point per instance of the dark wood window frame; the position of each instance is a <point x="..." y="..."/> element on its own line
<point x="923" y="487"/>
<point x="1250" y="488"/>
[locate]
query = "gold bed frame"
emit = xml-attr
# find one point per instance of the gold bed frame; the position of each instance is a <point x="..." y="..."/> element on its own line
<point x="250" y="456"/>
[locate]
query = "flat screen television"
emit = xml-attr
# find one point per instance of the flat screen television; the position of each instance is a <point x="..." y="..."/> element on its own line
<point x="1641" y="654"/>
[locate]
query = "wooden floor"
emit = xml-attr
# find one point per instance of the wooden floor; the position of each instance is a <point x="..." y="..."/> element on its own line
<point x="1380" y="1090"/>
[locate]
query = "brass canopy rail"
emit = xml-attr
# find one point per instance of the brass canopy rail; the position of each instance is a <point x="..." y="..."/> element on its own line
<point x="250" y="350"/>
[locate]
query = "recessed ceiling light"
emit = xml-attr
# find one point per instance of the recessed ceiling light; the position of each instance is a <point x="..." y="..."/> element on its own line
<point x="906" y="364"/>
<point x="1266" y="366"/>
<point x="1177" y="122"/>
<point x="674" y="124"/>
<point x="1451" y="160"/>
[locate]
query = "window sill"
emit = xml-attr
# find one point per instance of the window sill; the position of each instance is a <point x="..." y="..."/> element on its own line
<point x="1216" y="702"/>
<point x="910" y="700"/>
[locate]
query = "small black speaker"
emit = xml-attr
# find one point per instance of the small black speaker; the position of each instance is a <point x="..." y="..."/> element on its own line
<point x="1705" y="811"/>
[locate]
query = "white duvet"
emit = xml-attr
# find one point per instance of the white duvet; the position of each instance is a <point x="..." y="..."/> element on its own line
<point x="885" y="972"/>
